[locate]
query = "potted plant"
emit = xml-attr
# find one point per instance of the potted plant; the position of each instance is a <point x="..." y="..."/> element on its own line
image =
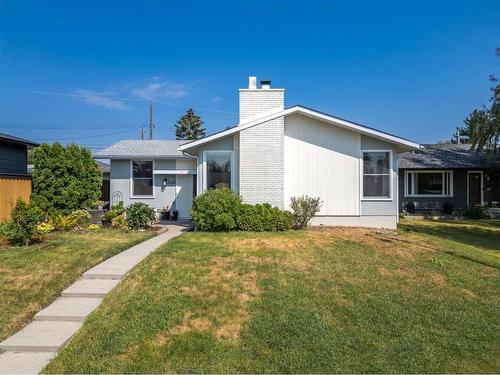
<point x="174" y="214"/>
<point x="97" y="211"/>
<point x="165" y="213"/>
<point x="448" y="207"/>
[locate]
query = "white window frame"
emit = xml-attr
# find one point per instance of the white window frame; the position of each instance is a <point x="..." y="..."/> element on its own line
<point x="132" y="196"/>
<point x="410" y="194"/>
<point x="206" y="154"/>
<point x="391" y="177"/>
<point x="482" y="186"/>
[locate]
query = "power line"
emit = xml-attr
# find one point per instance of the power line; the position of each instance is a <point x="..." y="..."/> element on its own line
<point x="88" y="137"/>
<point x="124" y="98"/>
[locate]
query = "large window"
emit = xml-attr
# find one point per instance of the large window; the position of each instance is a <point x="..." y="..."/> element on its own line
<point x="142" y="178"/>
<point x="429" y="183"/>
<point x="376" y="174"/>
<point x="218" y="169"/>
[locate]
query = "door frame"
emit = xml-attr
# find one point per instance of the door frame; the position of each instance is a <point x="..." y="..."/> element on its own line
<point x="482" y="187"/>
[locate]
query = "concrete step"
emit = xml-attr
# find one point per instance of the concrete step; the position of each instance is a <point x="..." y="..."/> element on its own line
<point x="41" y="336"/>
<point x="90" y="288"/>
<point x="69" y="309"/>
<point x="24" y="362"/>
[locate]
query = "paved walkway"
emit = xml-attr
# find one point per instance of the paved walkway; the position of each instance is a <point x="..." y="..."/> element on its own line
<point x="29" y="350"/>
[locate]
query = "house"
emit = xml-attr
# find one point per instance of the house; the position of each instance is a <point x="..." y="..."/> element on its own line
<point x="15" y="182"/>
<point x="452" y="173"/>
<point x="272" y="154"/>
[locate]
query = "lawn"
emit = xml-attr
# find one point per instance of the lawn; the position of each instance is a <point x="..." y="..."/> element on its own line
<point x="321" y="300"/>
<point x="31" y="277"/>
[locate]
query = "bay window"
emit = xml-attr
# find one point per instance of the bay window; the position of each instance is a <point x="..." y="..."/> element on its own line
<point x="429" y="183"/>
<point x="377" y="174"/>
<point x="218" y="169"/>
<point x="142" y="179"/>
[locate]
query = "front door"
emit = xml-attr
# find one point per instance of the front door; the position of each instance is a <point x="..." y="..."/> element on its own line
<point x="475" y="188"/>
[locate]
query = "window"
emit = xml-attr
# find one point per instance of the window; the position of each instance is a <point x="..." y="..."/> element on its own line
<point x="377" y="174"/>
<point x="218" y="169"/>
<point x="429" y="183"/>
<point x="142" y="179"/>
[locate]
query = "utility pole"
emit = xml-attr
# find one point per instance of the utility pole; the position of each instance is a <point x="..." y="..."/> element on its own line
<point x="142" y="134"/>
<point x="150" y="120"/>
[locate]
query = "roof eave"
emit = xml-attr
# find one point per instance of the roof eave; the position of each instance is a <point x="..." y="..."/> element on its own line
<point x="404" y="143"/>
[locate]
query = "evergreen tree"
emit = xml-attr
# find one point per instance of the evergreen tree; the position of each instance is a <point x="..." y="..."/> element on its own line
<point x="189" y="126"/>
<point x="482" y="126"/>
<point x="65" y="178"/>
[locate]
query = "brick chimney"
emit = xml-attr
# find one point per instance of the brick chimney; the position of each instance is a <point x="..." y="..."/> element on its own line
<point x="255" y="101"/>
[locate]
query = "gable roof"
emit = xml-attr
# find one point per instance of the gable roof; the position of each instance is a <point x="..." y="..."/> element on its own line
<point x="298" y="109"/>
<point x="143" y="149"/>
<point x="447" y="156"/>
<point x="17" y="140"/>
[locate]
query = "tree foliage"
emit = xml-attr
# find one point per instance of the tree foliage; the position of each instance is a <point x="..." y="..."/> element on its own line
<point x="482" y="127"/>
<point x="65" y="178"/>
<point x="189" y="126"/>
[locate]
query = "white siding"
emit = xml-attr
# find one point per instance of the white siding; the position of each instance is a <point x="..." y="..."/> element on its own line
<point x="322" y="160"/>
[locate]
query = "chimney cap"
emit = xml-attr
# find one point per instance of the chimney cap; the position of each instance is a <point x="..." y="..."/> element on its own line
<point x="265" y="82"/>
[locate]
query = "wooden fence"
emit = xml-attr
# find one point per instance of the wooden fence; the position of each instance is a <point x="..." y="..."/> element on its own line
<point x="12" y="188"/>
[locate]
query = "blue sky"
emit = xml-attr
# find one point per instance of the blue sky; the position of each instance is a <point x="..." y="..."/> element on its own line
<point x="83" y="70"/>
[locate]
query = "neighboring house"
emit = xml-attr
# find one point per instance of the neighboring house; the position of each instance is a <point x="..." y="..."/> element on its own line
<point x="273" y="154"/>
<point x="441" y="173"/>
<point x="15" y="182"/>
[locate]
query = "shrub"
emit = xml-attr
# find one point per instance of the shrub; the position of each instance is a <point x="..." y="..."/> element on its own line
<point x="263" y="217"/>
<point x="476" y="213"/>
<point x="45" y="228"/>
<point x="119" y="222"/>
<point x="81" y="218"/>
<point x="448" y="207"/>
<point x="63" y="222"/>
<point x="65" y="178"/>
<point x="93" y="227"/>
<point x="139" y="215"/>
<point x="24" y="219"/>
<point x="116" y="210"/>
<point x="304" y="208"/>
<point x="216" y="210"/>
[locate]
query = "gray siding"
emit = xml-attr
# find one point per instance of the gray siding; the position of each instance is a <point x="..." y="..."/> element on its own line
<point x="229" y="143"/>
<point x="382" y="208"/>
<point x="13" y="158"/>
<point x="120" y="182"/>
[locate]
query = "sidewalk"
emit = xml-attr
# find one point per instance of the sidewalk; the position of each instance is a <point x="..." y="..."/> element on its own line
<point x="29" y="350"/>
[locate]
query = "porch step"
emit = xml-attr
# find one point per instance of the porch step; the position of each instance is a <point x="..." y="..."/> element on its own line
<point x="41" y="336"/>
<point x="69" y="309"/>
<point x="90" y="288"/>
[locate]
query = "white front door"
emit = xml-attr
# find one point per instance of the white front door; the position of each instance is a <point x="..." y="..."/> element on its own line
<point x="184" y="198"/>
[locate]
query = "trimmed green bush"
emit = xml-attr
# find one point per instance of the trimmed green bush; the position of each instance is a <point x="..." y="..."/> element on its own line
<point x="24" y="220"/>
<point x="263" y="217"/>
<point x="216" y="210"/>
<point x="222" y="210"/>
<point x="476" y="213"/>
<point x="304" y="208"/>
<point x="139" y="215"/>
<point x="65" y="178"/>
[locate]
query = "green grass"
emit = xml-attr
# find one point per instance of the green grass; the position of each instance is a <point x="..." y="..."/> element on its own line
<point x="326" y="300"/>
<point x="33" y="276"/>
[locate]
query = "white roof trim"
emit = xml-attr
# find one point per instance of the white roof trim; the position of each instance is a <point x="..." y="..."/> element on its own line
<point x="140" y="157"/>
<point x="174" y="171"/>
<point x="306" y="112"/>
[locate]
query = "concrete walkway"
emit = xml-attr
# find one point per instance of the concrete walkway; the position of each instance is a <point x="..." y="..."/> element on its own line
<point x="29" y="350"/>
